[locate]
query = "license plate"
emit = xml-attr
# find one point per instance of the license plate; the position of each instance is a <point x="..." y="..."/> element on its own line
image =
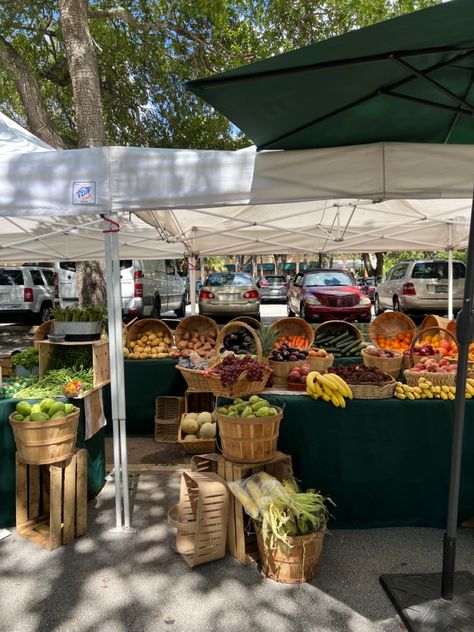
<point x="441" y="289"/>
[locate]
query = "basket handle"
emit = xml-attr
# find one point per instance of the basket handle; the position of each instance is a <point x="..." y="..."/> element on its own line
<point x="184" y="527"/>
<point x="423" y="332"/>
<point x="237" y="324"/>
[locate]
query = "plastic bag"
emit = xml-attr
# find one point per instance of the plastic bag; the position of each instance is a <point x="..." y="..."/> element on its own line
<point x="257" y="492"/>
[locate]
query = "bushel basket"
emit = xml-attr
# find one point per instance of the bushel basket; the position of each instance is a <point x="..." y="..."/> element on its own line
<point x="413" y="358"/>
<point x="373" y="391"/>
<point x="195" y="379"/>
<point x="249" y="440"/>
<point x="46" y="442"/>
<point x="389" y="325"/>
<point x="243" y="386"/>
<point x="292" y="563"/>
<point x="295" y="327"/>
<point x="196" y="446"/>
<point x="392" y="366"/>
<point x="198" y="327"/>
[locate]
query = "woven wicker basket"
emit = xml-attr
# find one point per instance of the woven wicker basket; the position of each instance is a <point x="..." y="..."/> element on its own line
<point x="295" y="327"/>
<point x="413" y="358"/>
<point x="198" y="446"/>
<point x="168" y="411"/>
<point x="195" y="379"/>
<point x="294" y="386"/>
<point x="437" y="379"/>
<point x="202" y="325"/>
<point x="249" y="440"/>
<point x="440" y="323"/>
<point x="320" y="364"/>
<point x="389" y="325"/>
<point x="243" y="386"/>
<point x="144" y="325"/>
<point x="392" y="366"/>
<point x="281" y="370"/>
<point x="248" y="320"/>
<point x="371" y="391"/>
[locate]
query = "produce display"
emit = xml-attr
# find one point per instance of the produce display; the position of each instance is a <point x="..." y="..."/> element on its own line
<point x="52" y="384"/>
<point x="378" y="352"/>
<point x="239" y="342"/>
<point x="340" y="344"/>
<point x="45" y="410"/>
<point x="28" y="359"/>
<point x="194" y="362"/>
<point x="232" y="367"/>
<point x="432" y="366"/>
<point x="440" y="346"/>
<point x="254" y="406"/>
<point x="314" y="352"/>
<point x="427" y="390"/>
<point x="400" y="342"/>
<point x="281" y="509"/>
<point x="194" y="341"/>
<point x="454" y="353"/>
<point x="151" y="346"/>
<point x="11" y="386"/>
<point x="329" y="387"/>
<point x="75" y="358"/>
<point x="361" y="374"/>
<point x="298" y="374"/>
<point x="297" y="342"/>
<point x="287" y="353"/>
<point x="196" y="426"/>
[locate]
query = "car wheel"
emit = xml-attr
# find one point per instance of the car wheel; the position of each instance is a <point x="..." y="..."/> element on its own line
<point x="289" y="311"/>
<point x="181" y="311"/>
<point x="44" y="313"/>
<point x="156" y="311"/>
<point x="377" y="307"/>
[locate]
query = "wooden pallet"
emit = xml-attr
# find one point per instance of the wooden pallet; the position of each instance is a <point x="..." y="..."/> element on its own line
<point x="51" y="501"/>
<point x="241" y="537"/>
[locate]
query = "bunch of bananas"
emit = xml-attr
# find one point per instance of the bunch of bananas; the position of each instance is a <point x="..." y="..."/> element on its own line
<point x="427" y="390"/>
<point x="328" y="387"/>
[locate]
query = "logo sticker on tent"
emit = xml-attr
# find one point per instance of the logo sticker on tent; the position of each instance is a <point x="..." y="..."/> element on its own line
<point x="83" y="192"/>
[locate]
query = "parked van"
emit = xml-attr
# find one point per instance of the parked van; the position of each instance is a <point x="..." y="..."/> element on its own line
<point x="148" y="288"/>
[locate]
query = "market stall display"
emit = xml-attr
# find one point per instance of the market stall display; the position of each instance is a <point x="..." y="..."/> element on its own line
<point x="196" y="333"/>
<point x="340" y="338"/>
<point x="294" y="332"/>
<point x="365" y="382"/>
<point x="26" y="362"/>
<point x="149" y="338"/>
<point x="387" y="360"/>
<point x="392" y="330"/>
<point x="197" y="432"/>
<point x="73" y="324"/>
<point x="168" y="411"/>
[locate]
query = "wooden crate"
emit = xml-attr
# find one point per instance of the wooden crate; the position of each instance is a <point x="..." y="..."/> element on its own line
<point x="100" y="358"/>
<point x="241" y="537"/>
<point x="199" y="401"/>
<point x="51" y="501"/>
<point x="5" y="368"/>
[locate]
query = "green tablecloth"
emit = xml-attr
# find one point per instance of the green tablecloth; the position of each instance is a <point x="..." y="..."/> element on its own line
<point x="383" y="462"/>
<point x="144" y="381"/>
<point x="95" y="447"/>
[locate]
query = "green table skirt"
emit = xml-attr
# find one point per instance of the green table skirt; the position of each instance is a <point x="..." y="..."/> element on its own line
<point x="95" y="447"/>
<point x="383" y="462"/>
<point x="145" y="380"/>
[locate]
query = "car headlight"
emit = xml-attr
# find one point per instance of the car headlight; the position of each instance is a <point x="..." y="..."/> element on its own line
<point x="365" y="301"/>
<point x="312" y="301"/>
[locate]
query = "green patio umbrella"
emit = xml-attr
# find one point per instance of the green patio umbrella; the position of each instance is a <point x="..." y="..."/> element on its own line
<point x="405" y="79"/>
<point x="410" y="79"/>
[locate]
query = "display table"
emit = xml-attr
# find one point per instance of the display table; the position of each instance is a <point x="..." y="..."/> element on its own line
<point x="383" y="462"/>
<point x="95" y="447"/>
<point x="144" y="381"/>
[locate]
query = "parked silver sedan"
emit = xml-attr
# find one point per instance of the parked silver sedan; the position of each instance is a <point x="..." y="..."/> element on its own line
<point x="229" y="294"/>
<point x="273" y="287"/>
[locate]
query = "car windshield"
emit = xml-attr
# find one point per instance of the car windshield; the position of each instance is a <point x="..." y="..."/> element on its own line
<point x="333" y="278"/>
<point x="218" y="280"/>
<point x="437" y="270"/>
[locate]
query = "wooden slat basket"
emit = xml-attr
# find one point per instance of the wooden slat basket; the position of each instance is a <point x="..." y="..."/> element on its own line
<point x="393" y="366"/>
<point x="45" y="442"/>
<point x="389" y="325"/>
<point x="252" y="440"/>
<point x="144" y="325"/>
<point x="200" y="518"/>
<point x="295" y="327"/>
<point x="197" y="325"/>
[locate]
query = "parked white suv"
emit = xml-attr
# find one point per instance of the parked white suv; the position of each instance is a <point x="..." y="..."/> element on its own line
<point x="420" y="287"/>
<point x="26" y="293"/>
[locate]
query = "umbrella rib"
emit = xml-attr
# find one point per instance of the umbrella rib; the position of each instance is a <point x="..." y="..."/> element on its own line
<point x="363" y="99"/>
<point x="434" y="104"/>
<point x="421" y="74"/>
<point x="336" y="63"/>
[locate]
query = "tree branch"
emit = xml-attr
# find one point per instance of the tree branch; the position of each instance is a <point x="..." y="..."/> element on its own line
<point x="25" y="81"/>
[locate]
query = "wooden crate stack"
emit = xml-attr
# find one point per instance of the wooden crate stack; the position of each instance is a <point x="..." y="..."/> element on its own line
<point x="241" y="538"/>
<point x="51" y="501"/>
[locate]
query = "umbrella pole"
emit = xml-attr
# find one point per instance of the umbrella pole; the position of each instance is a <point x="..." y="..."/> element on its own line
<point x="465" y="334"/>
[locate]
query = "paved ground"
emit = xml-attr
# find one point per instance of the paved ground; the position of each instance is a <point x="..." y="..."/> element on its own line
<point x="106" y="582"/>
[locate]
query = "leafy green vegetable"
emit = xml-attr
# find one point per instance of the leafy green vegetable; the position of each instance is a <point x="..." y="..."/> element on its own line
<point x="29" y="358"/>
<point x="52" y="383"/>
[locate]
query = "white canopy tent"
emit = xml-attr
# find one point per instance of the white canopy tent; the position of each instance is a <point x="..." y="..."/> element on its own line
<point x="241" y="201"/>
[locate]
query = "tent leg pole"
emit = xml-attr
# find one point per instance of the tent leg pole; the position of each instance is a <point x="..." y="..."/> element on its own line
<point x="450" y="276"/>
<point x="465" y="331"/>
<point x="117" y="382"/>
<point x="192" y="282"/>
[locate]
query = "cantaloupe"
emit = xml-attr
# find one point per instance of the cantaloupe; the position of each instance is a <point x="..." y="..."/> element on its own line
<point x="207" y="431"/>
<point x="190" y="437"/>
<point x="204" y="418"/>
<point x="189" y="425"/>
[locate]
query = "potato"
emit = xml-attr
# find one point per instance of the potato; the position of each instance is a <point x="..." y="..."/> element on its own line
<point x="190" y="345"/>
<point x="197" y="345"/>
<point x="162" y="355"/>
<point x="167" y="340"/>
<point x="144" y="338"/>
<point x="143" y="356"/>
<point x="187" y="336"/>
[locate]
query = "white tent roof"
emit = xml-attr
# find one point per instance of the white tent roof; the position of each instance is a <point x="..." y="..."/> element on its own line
<point x="384" y="196"/>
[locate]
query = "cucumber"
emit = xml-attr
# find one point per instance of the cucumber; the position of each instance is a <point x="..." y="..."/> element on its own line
<point x="350" y="345"/>
<point x="332" y="349"/>
<point x="341" y="337"/>
<point x="346" y="341"/>
<point x="324" y="337"/>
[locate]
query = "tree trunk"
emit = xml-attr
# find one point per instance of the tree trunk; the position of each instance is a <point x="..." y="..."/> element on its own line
<point x="84" y="72"/>
<point x="30" y="95"/>
<point x="371" y="271"/>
